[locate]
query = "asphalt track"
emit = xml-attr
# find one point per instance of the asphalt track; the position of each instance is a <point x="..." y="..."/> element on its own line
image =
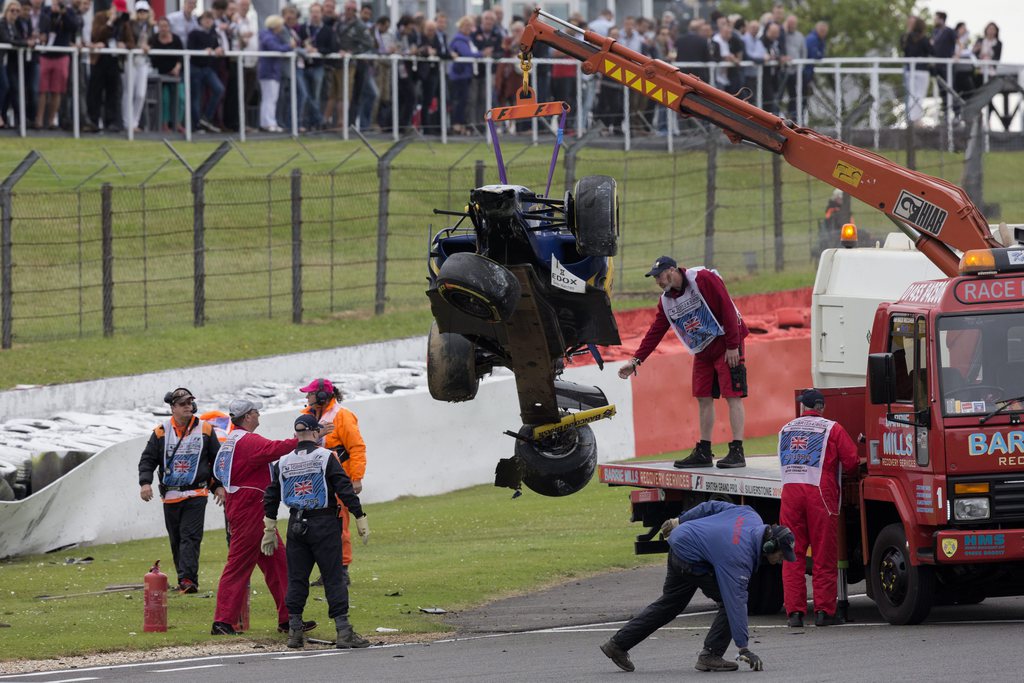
<point x="553" y="635"/>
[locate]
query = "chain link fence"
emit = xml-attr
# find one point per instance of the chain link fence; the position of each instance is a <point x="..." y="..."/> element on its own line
<point x="295" y="246"/>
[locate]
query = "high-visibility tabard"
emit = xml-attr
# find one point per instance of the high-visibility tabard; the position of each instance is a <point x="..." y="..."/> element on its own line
<point x="181" y="462"/>
<point x="225" y="457"/>
<point x="691" y="317"/>
<point x="303" y="479"/>
<point x="802" y="449"/>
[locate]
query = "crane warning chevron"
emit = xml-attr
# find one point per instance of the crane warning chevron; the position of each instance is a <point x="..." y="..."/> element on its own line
<point x="635" y="81"/>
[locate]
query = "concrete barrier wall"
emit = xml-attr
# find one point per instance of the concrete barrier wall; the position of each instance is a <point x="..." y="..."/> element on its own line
<point x="415" y="446"/>
<point x="204" y="380"/>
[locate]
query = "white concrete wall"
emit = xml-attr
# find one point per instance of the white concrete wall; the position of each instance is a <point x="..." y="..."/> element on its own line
<point x="415" y="446"/>
<point x="149" y="388"/>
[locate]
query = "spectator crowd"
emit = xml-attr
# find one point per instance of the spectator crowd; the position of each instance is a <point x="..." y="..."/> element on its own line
<point x="752" y="56"/>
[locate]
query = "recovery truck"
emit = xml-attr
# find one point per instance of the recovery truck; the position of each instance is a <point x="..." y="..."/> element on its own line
<point x="935" y="513"/>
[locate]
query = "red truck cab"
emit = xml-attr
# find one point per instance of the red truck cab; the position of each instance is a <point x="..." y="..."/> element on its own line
<point x="942" y="500"/>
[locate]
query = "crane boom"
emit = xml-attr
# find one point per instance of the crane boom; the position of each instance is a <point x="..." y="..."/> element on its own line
<point x="937" y="215"/>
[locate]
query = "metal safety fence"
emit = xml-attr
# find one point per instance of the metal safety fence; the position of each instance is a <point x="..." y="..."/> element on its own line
<point x="817" y="93"/>
<point x="296" y="245"/>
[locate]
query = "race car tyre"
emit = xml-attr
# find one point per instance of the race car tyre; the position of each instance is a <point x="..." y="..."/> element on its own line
<point x="478" y="287"/>
<point x="765" y="592"/>
<point x="595" y="219"/>
<point x="451" y="366"/>
<point x="904" y="593"/>
<point x="560" y="464"/>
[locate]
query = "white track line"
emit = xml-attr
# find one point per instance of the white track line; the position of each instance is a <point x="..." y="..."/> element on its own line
<point x="309" y="656"/>
<point x="186" y="668"/>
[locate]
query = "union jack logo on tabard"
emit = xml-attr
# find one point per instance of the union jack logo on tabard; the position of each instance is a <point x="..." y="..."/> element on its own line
<point x="304" y="488"/>
<point x="691" y="324"/>
<point x="182" y="466"/>
<point x="798" y="443"/>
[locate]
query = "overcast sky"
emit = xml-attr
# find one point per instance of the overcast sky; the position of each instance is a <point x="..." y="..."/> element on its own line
<point x="1008" y="15"/>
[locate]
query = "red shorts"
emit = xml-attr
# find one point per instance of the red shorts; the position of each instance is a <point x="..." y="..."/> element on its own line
<point x="713" y="378"/>
<point x="53" y="74"/>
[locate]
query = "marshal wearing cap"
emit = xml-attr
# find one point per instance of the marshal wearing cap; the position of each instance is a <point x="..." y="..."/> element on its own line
<point x="661" y="265"/>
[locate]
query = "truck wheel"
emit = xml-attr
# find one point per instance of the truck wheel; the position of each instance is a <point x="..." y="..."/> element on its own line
<point x="765" y="592"/>
<point x="595" y="215"/>
<point x="560" y="464"/>
<point x="451" y="366"/>
<point x="904" y="593"/>
<point x="478" y="286"/>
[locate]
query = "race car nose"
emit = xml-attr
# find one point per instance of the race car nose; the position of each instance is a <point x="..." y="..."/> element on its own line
<point x="496" y="201"/>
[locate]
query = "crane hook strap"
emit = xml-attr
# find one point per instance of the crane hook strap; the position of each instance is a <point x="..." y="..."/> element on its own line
<point x="526" y="64"/>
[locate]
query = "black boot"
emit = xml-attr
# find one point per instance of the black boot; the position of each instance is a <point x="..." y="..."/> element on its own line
<point x="347" y="637"/>
<point x="823" y="618"/>
<point x="796" y="620"/>
<point x="296" y="628"/>
<point x="735" y="457"/>
<point x="700" y="456"/>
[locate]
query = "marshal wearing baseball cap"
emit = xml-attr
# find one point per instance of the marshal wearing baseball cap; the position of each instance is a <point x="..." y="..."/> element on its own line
<point x="661" y="265"/>
<point x="812" y="397"/>
<point x="306" y="423"/>
<point x="242" y="406"/>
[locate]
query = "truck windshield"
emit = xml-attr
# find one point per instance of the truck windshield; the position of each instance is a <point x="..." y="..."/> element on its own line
<point x="981" y="362"/>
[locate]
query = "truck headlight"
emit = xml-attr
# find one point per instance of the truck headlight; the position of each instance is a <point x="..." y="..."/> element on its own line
<point x="968" y="509"/>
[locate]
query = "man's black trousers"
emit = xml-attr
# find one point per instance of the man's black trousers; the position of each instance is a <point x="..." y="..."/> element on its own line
<point x="320" y="544"/>
<point x="680" y="585"/>
<point x="184" y="523"/>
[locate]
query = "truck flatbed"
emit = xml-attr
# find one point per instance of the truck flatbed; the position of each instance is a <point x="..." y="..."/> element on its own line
<point x="761" y="478"/>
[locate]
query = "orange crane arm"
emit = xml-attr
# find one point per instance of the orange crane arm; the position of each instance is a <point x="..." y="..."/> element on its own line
<point x="936" y="214"/>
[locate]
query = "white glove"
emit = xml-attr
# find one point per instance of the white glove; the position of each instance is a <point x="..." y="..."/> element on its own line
<point x="629" y="368"/>
<point x="269" y="543"/>
<point x="668" y="526"/>
<point x="363" y="526"/>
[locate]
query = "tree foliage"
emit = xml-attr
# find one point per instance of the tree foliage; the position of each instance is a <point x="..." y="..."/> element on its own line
<point x="856" y="29"/>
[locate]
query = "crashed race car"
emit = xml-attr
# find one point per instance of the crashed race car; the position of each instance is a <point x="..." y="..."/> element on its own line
<point x="523" y="281"/>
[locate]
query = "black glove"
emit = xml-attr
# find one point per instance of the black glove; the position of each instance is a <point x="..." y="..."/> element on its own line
<point x="750" y="658"/>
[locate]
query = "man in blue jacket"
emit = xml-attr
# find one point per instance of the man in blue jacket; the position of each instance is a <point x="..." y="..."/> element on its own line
<point x="716" y="547"/>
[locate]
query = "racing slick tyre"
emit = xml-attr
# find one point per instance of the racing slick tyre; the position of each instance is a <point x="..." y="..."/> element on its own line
<point x="560" y="464"/>
<point x="904" y="593"/>
<point x="478" y="286"/>
<point x="451" y="366"/>
<point x="765" y="592"/>
<point x="595" y="215"/>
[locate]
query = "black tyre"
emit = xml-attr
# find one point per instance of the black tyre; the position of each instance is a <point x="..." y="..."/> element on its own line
<point x="904" y="593"/>
<point x="595" y="215"/>
<point x="478" y="286"/>
<point x="562" y="464"/>
<point x="764" y="595"/>
<point x="451" y="366"/>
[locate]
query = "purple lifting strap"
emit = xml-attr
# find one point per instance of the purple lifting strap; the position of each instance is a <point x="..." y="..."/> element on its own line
<point x="502" y="174"/>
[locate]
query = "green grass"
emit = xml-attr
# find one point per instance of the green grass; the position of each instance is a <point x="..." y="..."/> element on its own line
<point x="454" y="551"/>
<point x="57" y="274"/>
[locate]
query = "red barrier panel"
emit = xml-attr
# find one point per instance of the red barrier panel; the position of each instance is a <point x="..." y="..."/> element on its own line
<point x="665" y="413"/>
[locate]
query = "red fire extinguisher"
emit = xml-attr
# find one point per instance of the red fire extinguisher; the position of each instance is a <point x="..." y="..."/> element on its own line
<point x="243" y="616"/>
<point x="155" y="600"/>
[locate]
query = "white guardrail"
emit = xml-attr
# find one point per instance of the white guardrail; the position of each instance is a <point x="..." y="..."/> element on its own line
<point x="875" y="68"/>
<point x="416" y="446"/>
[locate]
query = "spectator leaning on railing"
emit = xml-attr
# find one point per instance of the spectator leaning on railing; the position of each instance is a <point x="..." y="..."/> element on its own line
<point x="314" y="71"/>
<point x="460" y="74"/>
<point x="141" y="28"/>
<point x="17" y="33"/>
<point x="169" y="67"/>
<point x="109" y="30"/>
<point x="816" y="48"/>
<point x="354" y="39"/>
<point x="273" y="38"/>
<point x="58" y="24"/>
<point x="203" y="74"/>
